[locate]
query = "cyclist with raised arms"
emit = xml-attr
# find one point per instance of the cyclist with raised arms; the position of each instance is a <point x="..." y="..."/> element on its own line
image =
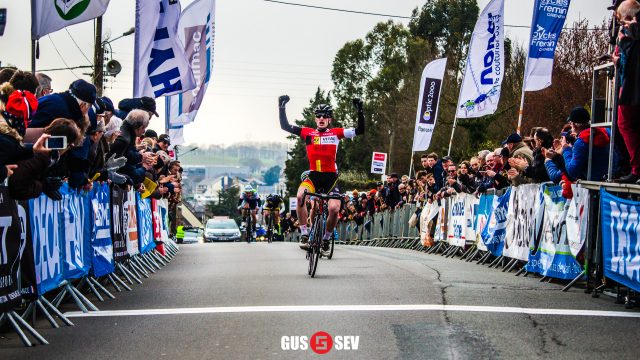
<point x="322" y="146"/>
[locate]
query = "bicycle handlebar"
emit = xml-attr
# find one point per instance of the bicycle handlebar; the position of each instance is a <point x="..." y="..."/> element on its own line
<point x="324" y="197"/>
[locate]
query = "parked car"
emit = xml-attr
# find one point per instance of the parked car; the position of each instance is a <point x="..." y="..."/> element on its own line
<point x="221" y="230"/>
<point x="192" y="235"/>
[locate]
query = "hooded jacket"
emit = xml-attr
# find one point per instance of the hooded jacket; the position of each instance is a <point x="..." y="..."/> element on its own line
<point x="576" y="158"/>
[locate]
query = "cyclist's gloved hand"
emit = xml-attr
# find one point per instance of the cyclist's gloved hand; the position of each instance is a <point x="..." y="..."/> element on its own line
<point x="283" y="100"/>
<point x="357" y="103"/>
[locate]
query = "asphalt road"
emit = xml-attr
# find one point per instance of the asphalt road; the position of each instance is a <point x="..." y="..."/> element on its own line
<point x="216" y="301"/>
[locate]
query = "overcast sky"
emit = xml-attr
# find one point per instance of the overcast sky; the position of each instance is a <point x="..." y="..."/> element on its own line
<point x="262" y="50"/>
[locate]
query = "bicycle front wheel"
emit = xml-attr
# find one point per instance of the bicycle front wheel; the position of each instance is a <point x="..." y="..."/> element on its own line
<point x="333" y="242"/>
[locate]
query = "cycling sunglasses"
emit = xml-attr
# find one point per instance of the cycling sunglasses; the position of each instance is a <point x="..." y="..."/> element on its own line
<point x="323" y="116"/>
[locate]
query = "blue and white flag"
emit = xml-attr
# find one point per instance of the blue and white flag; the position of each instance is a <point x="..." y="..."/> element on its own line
<point x="494" y="233"/>
<point x="483" y="74"/>
<point x="46" y="231"/>
<point x="161" y="66"/>
<point x="196" y="30"/>
<point x="547" y="23"/>
<point x="101" y="243"/>
<point x="145" y="225"/>
<point x="550" y="251"/>
<point x="76" y="233"/>
<point x="620" y="221"/>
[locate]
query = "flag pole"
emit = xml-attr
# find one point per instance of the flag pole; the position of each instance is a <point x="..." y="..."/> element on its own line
<point x="411" y="164"/>
<point x="455" y="122"/>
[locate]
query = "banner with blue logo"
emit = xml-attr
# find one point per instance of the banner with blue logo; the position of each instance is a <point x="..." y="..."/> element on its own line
<point x="460" y="219"/>
<point x="76" y="233"/>
<point x="550" y="253"/>
<point x="494" y="233"/>
<point x="620" y="220"/>
<point x="481" y="219"/>
<point x="101" y="244"/>
<point x="46" y="225"/>
<point x="145" y="225"/>
<point x="546" y="26"/>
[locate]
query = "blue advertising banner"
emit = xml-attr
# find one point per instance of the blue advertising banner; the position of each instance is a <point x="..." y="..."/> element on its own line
<point x="551" y="254"/>
<point x="102" y="259"/>
<point x="620" y="245"/>
<point x="145" y="225"/>
<point x="494" y="233"/>
<point x="547" y="23"/>
<point x="76" y="233"/>
<point x="480" y="221"/>
<point x="45" y="231"/>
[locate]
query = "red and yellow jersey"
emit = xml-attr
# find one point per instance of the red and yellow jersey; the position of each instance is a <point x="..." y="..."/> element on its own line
<point x="323" y="146"/>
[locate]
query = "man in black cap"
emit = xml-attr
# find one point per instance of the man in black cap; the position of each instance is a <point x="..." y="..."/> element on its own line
<point x="152" y="134"/>
<point x="163" y="143"/>
<point x="576" y="156"/>
<point x="72" y="104"/>
<point x="517" y="149"/>
<point x="143" y="103"/>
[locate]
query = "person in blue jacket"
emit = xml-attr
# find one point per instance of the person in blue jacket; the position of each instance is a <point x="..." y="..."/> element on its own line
<point x="576" y="155"/>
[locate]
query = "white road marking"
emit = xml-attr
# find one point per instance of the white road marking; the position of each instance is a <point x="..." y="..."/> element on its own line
<point x="337" y="308"/>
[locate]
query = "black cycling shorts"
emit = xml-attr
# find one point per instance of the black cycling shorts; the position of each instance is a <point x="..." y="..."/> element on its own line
<point x="322" y="183"/>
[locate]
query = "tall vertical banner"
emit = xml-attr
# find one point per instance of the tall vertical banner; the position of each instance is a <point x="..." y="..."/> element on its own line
<point x="48" y="16"/>
<point x="430" y="88"/>
<point x="10" y="248"/>
<point x="548" y="19"/>
<point x="45" y="230"/>
<point x="145" y="225"/>
<point x="484" y="71"/>
<point x="196" y="30"/>
<point x="620" y="246"/>
<point x="131" y="221"/>
<point x="161" y="66"/>
<point x="76" y="233"/>
<point x="551" y="256"/>
<point x="118" y="224"/>
<point x="101" y="244"/>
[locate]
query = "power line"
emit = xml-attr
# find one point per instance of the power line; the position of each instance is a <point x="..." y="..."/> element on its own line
<point x="74" y="41"/>
<point x="61" y="58"/>
<point x="340" y="10"/>
<point x="397" y="16"/>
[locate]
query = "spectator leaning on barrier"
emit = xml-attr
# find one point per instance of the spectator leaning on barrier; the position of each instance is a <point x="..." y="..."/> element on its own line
<point x="628" y="63"/>
<point x="535" y="171"/>
<point x="73" y="104"/>
<point x="44" y="172"/>
<point x="466" y="179"/>
<point x="576" y="156"/>
<point x="133" y="126"/>
<point x="14" y="117"/>
<point x="432" y="165"/>
<point x="517" y="150"/>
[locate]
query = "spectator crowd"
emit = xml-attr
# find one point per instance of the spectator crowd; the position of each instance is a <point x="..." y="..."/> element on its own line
<point x="94" y="141"/>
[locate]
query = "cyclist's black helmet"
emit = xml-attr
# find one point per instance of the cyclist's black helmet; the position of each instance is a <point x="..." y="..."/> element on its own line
<point x="324" y="109"/>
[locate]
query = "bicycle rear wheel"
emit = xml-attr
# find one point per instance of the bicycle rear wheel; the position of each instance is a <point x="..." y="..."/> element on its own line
<point x="333" y="242"/>
<point x="249" y="229"/>
<point x="270" y="229"/>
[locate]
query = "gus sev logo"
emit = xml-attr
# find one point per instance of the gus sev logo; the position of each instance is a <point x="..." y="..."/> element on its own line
<point x="71" y="9"/>
<point x="321" y="343"/>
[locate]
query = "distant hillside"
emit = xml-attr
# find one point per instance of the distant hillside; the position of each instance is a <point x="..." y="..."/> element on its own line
<point x="252" y="154"/>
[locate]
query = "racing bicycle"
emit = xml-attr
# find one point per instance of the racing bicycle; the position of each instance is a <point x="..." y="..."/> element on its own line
<point x="248" y="225"/>
<point x="319" y="223"/>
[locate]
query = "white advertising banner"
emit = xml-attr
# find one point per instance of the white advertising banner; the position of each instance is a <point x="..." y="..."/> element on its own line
<point x="430" y="86"/>
<point x="378" y="163"/>
<point x="460" y="226"/>
<point x="577" y="219"/>
<point x="48" y="16"/>
<point x="161" y="66"/>
<point x="521" y="223"/>
<point x="484" y="71"/>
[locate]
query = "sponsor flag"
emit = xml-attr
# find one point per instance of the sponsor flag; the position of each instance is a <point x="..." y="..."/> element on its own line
<point x="161" y="65"/>
<point x="620" y="245"/>
<point x="378" y="163"/>
<point x="48" y="16"/>
<point x="484" y="71"/>
<point x="196" y="30"/>
<point x="547" y="23"/>
<point x="430" y="86"/>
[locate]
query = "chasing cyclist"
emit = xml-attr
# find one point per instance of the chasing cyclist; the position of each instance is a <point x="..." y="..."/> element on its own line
<point x="272" y="205"/>
<point x="249" y="199"/>
<point x="322" y="146"/>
